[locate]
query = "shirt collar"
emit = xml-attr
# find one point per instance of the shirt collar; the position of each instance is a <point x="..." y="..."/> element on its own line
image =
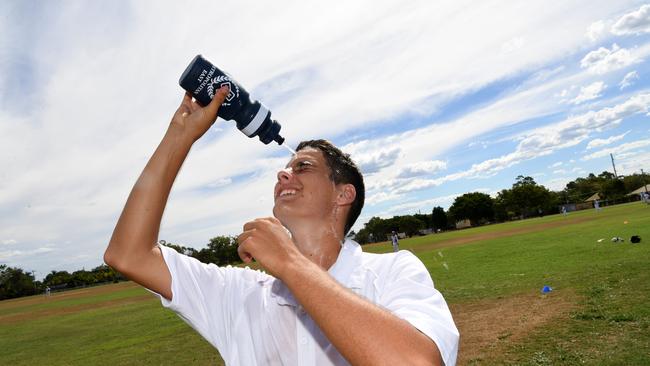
<point x="346" y="270"/>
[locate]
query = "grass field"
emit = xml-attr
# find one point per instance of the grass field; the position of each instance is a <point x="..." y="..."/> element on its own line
<point x="598" y="312"/>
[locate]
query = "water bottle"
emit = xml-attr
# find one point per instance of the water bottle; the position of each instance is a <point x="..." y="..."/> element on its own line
<point x="202" y="79"/>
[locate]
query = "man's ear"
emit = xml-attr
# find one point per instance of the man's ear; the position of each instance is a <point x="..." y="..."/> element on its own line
<point x="347" y="194"/>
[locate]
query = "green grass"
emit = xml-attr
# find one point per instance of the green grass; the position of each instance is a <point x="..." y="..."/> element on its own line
<point x="609" y="285"/>
<point x="129" y="333"/>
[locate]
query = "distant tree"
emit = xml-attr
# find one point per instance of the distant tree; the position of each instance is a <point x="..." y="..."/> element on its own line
<point x="409" y="225"/>
<point x="362" y="237"/>
<point x="634" y="181"/>
<point x="82" y="278"/>
<point x="425" y="219"/>
<point x="180" y="248"/>
<point x="379" y="228"/>
<point x="14" y="282"/>
<point x="612" y="189"/>
<point x="605" y="184"/>
<point x="104" y="273"/>
<point x="580" y="189"/>
<point x="438" y="218"/>
<point x="59" y="279"/>
<point x="476" y="206"/>
<point x="525" y="199"/>
<point x="221" y="250"/>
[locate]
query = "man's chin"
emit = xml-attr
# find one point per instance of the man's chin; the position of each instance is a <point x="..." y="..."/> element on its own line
<point x="286" y="215"/>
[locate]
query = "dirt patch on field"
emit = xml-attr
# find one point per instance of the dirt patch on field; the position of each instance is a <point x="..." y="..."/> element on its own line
<point x="487" y="327"/>
<point x="500" y="234"/>
<point x="38" y="314"/>
<point x="71" y="294"/>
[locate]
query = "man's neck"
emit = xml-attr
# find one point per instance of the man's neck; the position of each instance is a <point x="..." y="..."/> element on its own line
<point x="319" y="243"/>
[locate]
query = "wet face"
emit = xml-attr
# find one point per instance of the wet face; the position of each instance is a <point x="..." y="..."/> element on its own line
<point x="304" y="189"/>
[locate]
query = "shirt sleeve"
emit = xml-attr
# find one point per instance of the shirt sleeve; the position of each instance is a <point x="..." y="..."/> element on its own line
<point x="204" y="296"/>
<point x="410" y="294"/>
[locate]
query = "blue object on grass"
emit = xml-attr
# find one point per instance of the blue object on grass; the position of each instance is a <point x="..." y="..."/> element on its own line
<point x="546" y="289"/>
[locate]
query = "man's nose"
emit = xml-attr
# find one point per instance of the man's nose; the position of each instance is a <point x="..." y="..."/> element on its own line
<point x="284" y="175"/>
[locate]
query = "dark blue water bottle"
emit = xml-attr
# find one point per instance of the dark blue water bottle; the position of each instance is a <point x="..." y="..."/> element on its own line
<point x="202" y="79"/>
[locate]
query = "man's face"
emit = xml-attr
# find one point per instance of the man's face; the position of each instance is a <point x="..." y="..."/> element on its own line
<point x="304" y="189"/>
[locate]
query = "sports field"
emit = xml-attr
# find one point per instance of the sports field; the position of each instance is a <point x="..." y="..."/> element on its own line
<point x="597" y="313"/>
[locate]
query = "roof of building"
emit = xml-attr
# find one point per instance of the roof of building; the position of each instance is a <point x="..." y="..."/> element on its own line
<point x="645" y="188"/>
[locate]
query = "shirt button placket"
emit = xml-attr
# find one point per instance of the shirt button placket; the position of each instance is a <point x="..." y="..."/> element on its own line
<point x="306" y="351"/>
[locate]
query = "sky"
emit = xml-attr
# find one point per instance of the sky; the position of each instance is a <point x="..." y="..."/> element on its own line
<point x="431" y="99"/>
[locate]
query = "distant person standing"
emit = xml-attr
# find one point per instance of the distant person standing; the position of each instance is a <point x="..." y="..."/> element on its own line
<point x="564" y="210"/>
<point x="395" y="239"/>
<point x="597" y="205"/>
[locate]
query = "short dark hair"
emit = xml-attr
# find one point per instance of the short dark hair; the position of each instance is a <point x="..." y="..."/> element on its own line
<point x="342" y="170"/>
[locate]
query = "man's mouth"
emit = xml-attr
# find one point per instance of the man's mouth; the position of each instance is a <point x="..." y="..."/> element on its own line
<point x="287" y="192"/>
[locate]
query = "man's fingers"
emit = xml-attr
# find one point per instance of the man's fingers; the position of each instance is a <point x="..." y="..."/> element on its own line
<point x="216" y="102"/>
<point x="245" y="235"/>
<point x="187" y="98"/>
<point x="255" y="223"/>
<point x="243" y="253"/>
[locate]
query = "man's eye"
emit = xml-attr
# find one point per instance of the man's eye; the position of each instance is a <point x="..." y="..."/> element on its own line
<point x="303" y="165"/>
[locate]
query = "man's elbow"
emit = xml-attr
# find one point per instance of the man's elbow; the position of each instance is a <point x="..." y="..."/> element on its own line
<point x="114" y="258"/>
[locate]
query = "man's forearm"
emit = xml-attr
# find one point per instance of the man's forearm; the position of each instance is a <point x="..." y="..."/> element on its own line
<point x="137" y="229"/>
<point x="362" y="332"/>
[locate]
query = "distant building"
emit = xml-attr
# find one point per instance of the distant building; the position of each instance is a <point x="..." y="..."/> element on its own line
<point x="463" y="224"/>
<point x="594" y="197"/>
<point x="637" y="192"/>
<point x="640" y="194"/>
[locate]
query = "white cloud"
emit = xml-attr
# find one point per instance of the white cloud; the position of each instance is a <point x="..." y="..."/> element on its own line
<point x="596" y="30"/>
<point x="219" y="183"/>
<point x="512" y="45"/>
<point x="13" y="254"/>
<point x="570" y="132"/>
<point x="629" y="79"/>
<point x="9" y="242"/>
<point x="422" y="168"/>
<point x="602" y="142"/>
<point x="372" y="162"/>
<point x="589" y="92"/>
<point x="555" y="165"/>
<point x="632" y="163"/>
<point x="620" y="149"/>
<point x="559" y="171"/>
<point x="424" y="205"/>
<point x="604" y="60"/>
<point x="556" y="184"/>
<point x="635" y="22"/>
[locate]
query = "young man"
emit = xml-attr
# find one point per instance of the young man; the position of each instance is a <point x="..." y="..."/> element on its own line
<point x="322" y="301"/>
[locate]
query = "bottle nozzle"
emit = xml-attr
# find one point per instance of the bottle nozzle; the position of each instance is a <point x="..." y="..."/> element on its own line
<point x="279" y="139"/>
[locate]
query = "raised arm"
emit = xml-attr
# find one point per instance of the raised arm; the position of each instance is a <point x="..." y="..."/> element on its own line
<point x="132" y="249"/>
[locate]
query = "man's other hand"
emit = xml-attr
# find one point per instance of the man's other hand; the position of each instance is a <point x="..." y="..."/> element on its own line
<point x="267" y="241"/>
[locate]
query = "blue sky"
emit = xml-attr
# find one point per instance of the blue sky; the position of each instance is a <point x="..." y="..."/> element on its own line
<point x="432" y="99"/>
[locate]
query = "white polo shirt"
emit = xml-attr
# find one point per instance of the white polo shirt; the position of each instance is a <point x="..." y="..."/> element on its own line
<point x="253" y="319"/>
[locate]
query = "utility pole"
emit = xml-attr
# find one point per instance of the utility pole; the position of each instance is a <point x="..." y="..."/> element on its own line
<point x="613" y="165"/>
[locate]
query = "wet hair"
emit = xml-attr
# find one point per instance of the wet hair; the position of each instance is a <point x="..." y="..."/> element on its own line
<point x="342" y="171"/>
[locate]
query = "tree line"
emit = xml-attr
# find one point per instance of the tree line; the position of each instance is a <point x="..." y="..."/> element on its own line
<point x="15" y="282"/>
<point x="524" y="199"/>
